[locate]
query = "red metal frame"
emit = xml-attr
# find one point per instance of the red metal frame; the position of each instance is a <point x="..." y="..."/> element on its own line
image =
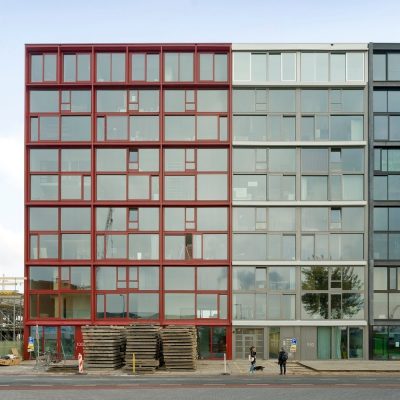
<point x="93" y="144"/>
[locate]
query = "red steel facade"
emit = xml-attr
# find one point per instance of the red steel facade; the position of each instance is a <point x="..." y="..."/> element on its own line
<point x="61" y="189"/>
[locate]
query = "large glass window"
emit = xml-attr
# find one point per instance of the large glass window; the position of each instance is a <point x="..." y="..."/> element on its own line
<point x="43" y="67"/>
<point x="44" y="101"/>
<point x="213" y="67"/>
<point x="178" y="67"/>
<point x="314" y="67"/>
<point x="75" y="128"/>
<point x="76" y="67"/>
<point x="110" y="67"/>
<point x="145" y="67"/>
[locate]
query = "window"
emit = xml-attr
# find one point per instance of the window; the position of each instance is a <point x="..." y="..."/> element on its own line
<point x="178" y="67"/>
<point x="262" y="247"/>
<point x="43" y="278"/>
<point x="273" y="67"/>
<point x="75" y="128"/>
<point x="338" y="67"/>
<point x="192" y="281"/>
<point x="45" y="101"/>
<point x="145" y="67"/>
<point x="343" y="297"/>
<point x="393" y="69"/>
<point x="43" y="160"/>
<point x="212" y="101"/>
<point x="143" y="246"/>
<point x="314" y="67"/>
<point x="113" y="160"/>
<point x="111" y="101"/>
<point x="43" y="68"/>
<point x="76" y="100"/>
<point x="179" y="100"/>
<point x="282" y="100"/>
<point x="386" y="236"/>
<point x="75" y="278"/>
<point x="241" y="66"/>
<point x="144" y="128"/>
<point x="355" y="66"/>
<point x="258" y="293"/>
<point x="144" y="100"/>
<point x="44" y="238"/>
<point x="379" y="67"/>
<point x="386" y="292"/>
<point x="76" y="67"/>
<point x="110" y="67"/>
<point x="75" y="160"/>
<point x="144" y="306"/>
<point x="213" y="67"/>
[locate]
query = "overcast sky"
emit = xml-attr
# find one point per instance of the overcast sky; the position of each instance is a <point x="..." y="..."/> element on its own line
<point x="131" y="21"/>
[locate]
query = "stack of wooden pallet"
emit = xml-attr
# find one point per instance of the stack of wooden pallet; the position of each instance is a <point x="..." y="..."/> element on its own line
<point x="179" y="347"/>
<point x="144" y="342"/>
<point x="104" y="346"/>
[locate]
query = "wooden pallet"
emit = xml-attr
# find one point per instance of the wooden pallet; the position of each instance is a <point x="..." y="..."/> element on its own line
<point x="104" y="346"/>
<point x="179" y="347"/>
<point x="144" y="342"/>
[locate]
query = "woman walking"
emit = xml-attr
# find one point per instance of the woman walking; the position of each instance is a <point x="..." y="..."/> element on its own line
<point x="252" y="359"/>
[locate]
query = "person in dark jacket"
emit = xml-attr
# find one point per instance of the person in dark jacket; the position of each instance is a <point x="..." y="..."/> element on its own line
<point x="252" y="359"/>
<point x="282" y="358"/>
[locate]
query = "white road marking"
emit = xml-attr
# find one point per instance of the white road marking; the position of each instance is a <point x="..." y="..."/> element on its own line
<point x="302" y="384"/>
<point x="214" y="384"/>
<point x="346" y="384"/>
<point x="41" y="385"/>
<point x="258" y="384"/>
<point x="328" y="379"/>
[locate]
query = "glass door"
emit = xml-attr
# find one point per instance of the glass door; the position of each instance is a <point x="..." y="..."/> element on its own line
<point x="68" y="342"/>
<point x="50" y="338"/>
<point x="211" y="342"/>
<point x="274" y="337"/>
<point x="324" y="342"/>
<point x="356" y="343"/>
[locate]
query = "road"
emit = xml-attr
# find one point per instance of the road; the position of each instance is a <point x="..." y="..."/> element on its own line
<point x="82" y="387"/>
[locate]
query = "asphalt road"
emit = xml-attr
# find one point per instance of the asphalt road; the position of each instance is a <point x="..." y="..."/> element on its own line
<point x="71" y="387"/>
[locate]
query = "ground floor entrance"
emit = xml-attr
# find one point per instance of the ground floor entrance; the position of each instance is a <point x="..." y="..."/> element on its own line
<point x="212" y="341"/>
<point x="66" y="340"/>
<point x="385" y="342"/>
<point x="302" y="343"/>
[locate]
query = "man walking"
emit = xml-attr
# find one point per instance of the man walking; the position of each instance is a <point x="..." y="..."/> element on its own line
<point x="282" y="358"/>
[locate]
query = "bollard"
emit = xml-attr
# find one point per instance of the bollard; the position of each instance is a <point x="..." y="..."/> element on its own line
<point x="80" y="363"/>
<point x="225" y="363"/>
<point x="133" y="364"/>
<point x="225" y="369"/>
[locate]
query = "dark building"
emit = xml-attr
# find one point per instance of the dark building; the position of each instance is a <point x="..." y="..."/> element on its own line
<point x="384" y="78"/>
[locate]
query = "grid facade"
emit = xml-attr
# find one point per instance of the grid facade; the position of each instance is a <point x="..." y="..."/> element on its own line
<point x="128" y="190"/>
<point x="250" y="190"/>
<point x="385" y="199"/>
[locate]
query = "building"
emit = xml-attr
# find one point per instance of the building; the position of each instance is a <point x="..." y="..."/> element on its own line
<point x="300" y="200"/>
<point x="127" y="192"/>
<point x="219" y="185"/>
<point x="384" y="77"/>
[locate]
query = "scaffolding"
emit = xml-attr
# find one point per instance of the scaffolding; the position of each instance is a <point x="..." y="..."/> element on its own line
<point x="11" y="309"/>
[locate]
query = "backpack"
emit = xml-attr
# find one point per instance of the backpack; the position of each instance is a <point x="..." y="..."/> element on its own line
<point x="284" y="356"/>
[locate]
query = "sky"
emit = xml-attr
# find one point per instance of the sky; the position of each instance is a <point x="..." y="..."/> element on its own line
<point x="132" y="21"/>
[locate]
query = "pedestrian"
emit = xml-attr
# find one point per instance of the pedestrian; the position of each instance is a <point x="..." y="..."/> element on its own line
<point x="252" y="359"/>
<point x="282" y="358"/>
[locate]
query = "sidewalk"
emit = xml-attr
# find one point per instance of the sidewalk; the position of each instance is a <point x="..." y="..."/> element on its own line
<point x="234" y="367"/>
